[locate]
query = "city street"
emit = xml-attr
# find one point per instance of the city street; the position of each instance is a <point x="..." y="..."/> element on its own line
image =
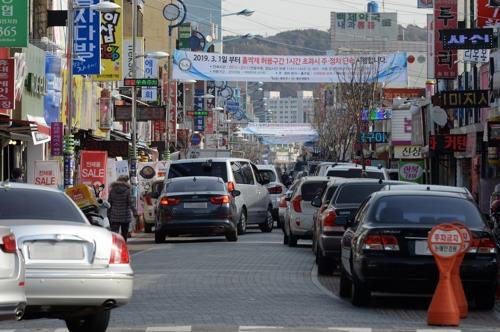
<point x="255" y="284"/>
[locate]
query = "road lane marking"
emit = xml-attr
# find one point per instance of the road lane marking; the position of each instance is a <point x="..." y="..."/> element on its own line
<point x="180" y="328"/>
<point x="351" y="329"/>
<point x="438" y="330"/>
<point x="317" y="283"/>
<point x="258" y="327"/>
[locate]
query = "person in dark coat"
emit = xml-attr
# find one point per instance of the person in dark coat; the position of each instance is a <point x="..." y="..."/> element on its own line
<point x="121" y="205"/>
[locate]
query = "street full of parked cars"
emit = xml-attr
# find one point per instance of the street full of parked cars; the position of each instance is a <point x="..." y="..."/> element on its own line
<point x="373" y="231"/>
<point x="55" y="264"/>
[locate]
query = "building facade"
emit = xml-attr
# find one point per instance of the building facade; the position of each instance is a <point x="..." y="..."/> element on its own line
<point x="298" y="109"/>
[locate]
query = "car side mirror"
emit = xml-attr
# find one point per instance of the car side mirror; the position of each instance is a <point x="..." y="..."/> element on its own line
<point x="235" y="193"/>
<point x="316" y="202"/>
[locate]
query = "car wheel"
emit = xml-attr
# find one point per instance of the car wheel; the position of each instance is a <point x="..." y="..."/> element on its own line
<point x="242" y="223"/>
<point x="148" y="228"/>
<point x="232" y="236"/>
<point x="485" y="300"/>
<point x="159" y="237"/>
<point x="325" y="265"/>
<point x="360" y="295"/>
<point x="97" y="322"/>
<point x="345" y="286"/>
<point x="279" y="224"/>
<point x="285" y="238"/>
<point x="268" y="224"/>
<point x="292" y="240"/>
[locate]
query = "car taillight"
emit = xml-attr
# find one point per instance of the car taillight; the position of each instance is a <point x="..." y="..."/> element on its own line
<point x="484" y="245"/>
<point x="380" y="242"/>
<point x="329" y="221"/>
<point x="9" y="244"/>
<point x="275" y="190"/>
<point x="166" y="201"/>
<point x="283" y="203"/>
<point x="148" y="200"/>
<point x="219" y="200"/>
<point x="296" y="204"/>
<point x="230" y="186"/>
<point x="119" y="250"/>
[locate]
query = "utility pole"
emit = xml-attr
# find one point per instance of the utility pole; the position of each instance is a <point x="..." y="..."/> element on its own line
<point x="133" y="129"/>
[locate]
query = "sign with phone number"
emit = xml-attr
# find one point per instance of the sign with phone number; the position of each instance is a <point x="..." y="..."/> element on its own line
<point x="14" y="23"/>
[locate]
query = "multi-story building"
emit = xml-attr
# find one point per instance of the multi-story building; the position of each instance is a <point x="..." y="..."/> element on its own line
<point x="291" y="109"/>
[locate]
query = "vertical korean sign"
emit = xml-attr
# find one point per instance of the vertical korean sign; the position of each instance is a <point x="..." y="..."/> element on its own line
<point x="56" y="139"/>
<point x="111" y="45"/>
<point x="93" y="168"/>
<point x="86" y="39"/>
<point x="14" y="23"/>
<point x="445" y="17"/>
<point x="150" y="71"/>
<point x="7" y="83"/>
<point x="172" y="115"/>
<point x="199" y="121"/>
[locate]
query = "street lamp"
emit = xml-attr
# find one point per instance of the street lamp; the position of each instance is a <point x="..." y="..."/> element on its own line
<point x="103" y="7"/>
<point x="245" y="12"/>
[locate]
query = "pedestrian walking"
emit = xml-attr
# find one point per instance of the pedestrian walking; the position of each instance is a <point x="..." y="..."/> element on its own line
<point x="121" y="205"/>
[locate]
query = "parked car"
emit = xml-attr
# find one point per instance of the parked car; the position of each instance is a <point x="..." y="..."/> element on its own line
<point x="323" y="167"/>
<point x="283" y="205"/>
<point x="253" y="205"/>
<point x="329" y="225"/>
<point x="275" y="187"/>
<point x="13" y="298"/>
<point x="198" y="205"/>
<point x="431" y="187"/>
<point x="299" y="216"/>
<point x="150" y="204"/>
<point x="384" y="248"/>
<point x="74" y="271"/>
<point x="357" y="171"/>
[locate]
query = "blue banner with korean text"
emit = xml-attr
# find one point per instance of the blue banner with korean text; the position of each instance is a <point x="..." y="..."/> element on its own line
<point x="86" y="39"/>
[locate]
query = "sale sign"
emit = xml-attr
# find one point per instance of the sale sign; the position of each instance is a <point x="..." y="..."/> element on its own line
<point x="411" y="171"/>
<point x="445" y="17"/>
<point x="47" y="173"/>
<point x="7" y="83"/>
<point x="93" y="169"/>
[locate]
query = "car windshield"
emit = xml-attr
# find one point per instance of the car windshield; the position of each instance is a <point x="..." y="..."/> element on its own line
<point x="191" y="185"/>
<point x="269" y="173"/>
<point x="426" y="210"/>
<point x="354" y="173"/>
<point x="215" y="169"/>
<point x="38" y="204"/>
<point x="309" y="190"/>
<point x="356" y="193"/>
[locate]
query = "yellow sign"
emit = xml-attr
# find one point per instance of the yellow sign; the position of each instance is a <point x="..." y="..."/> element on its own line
<point x="82" y="195"/>
<point x="111" y="45"/>
<point x="407" y="152"/>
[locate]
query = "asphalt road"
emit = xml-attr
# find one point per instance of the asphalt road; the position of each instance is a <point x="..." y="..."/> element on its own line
<point x="255" y="284"/>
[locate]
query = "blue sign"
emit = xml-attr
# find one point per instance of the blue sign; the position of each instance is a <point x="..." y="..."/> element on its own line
<point x="86" y="39"/>
<point x="376" y="114"/>
<point x="53" y="96"/>
<point x="195" y="139"/>
<point x="374" y="137"/>
<point x="232" y="106"/>
<point x="199" y="121"/>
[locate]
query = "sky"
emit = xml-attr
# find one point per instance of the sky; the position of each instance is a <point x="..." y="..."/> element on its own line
<point x="274" y="16"/>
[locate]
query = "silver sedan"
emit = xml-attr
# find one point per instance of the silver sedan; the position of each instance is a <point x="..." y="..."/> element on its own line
<point x="74" y="271"/>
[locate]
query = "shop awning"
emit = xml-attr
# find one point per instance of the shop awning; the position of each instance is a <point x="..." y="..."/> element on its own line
<point x="23" y="130"/>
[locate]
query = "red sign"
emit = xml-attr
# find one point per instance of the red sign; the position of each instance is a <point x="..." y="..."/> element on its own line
<point x="487" y="16"/>
<point x="7" y="83"/>
<point x="172" y="116"/>
<point x="209" y="123"/>
<point x="158" y="130"/>
<point x="56" y="138"/>
<point x="391" y="93"/>
<point x="448" y="143"/>
<point x="445" y="17"/>
<point x="93" y="168"/>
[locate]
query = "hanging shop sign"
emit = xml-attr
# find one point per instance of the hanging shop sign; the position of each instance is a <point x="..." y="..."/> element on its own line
<point x="487" y="16"/>
<point x="448" y="143"/>
<point x="124" y="113"/>
<point x="53" y="91"/>
<point x="199" y="121"/>
<point x="445" y="17"/>
<point x="93" y="168"/>
<point x="388" y="68"/>
<point x="376" y="114"/>
<point x="105" y="113"/>
<point x="411" y="171"/>
<point x="410" y="93"/>
<point x="479" y="56"/>
<point x="462" y="99"/>
<point x="7" y="83"/>
<point x="86" y="39"/>
<point x="150" y="71"/>
<point x="56" y="139"/>
<point x="111" y="45"/>
<point x="184" y="35"/>
<point x="407" y="152"/>
<point x="172" y="112"/>
<point x="113" y="148"/>
<point x="140" y="82"/>
<point x="180" y="102"/>
<point x="494" y="134"/>
<point x="47" y="173"/>
<point x="374" y="137"/>
<point x="14" y="16"/>
<point x="467" y="39"/>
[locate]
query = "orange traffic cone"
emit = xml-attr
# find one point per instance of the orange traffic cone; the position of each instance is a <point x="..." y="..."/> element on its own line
<point x="444" y="309"/>
<point x="463" y="306"/>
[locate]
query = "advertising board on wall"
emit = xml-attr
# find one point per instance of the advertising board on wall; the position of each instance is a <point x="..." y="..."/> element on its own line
<point x="445" y="17"/>
<point x="14" y="16"/>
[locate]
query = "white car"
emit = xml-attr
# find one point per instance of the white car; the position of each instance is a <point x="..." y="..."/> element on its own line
<point x="299" y="216"/>
<point x="357" y="171"/>
<point x="74" y="271"/>
<point x="12" y="298"/>
<point x="323" y="167"/>
<point x="275" y="187"/>
<point x="150" y="204"/>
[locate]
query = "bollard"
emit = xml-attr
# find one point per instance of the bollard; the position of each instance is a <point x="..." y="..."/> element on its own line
<point x="445" y="241"/>
<point x="463" y="306"/>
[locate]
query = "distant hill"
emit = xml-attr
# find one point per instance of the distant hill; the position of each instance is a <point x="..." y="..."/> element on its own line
<point x="299" y="42"/>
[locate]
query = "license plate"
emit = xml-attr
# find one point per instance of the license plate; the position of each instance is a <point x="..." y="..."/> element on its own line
<point x="202" y="205"/>
<point x="421" y="248"/>
<point x="56" y="251"/>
